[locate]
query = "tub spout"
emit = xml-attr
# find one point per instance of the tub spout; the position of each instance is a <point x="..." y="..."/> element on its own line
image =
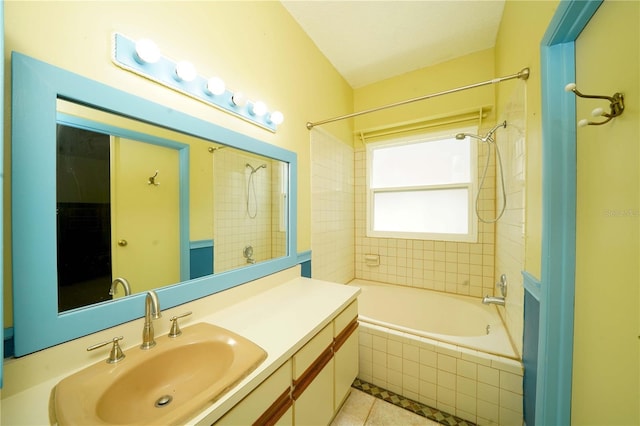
<point x="496" y="300"/>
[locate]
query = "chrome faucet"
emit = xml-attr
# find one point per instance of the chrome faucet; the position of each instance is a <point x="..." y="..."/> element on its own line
<point x="496" y="300"/>
<point x="151" y="312"/>
<point x="125" y="285"/>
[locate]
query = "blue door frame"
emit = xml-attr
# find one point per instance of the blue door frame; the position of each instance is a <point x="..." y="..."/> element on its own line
<point x="555" y="346"/>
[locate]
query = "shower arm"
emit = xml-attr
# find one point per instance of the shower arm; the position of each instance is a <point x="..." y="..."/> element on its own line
<point x="522" y="75"/>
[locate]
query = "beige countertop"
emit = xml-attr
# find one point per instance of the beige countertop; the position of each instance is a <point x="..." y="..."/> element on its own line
<point x="280" y="320"/>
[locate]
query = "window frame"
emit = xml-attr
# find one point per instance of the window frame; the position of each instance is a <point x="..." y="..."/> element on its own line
<point x="472" y="235"/>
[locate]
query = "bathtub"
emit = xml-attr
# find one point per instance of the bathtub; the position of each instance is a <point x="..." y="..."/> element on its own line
<point x="459" y="320"/>
<point x="446" y="351"/>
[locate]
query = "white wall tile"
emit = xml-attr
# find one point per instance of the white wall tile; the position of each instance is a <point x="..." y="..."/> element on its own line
<point x="488" y="413"/>
<point x="488" y="375"/>
<point x="446" y="363"/>
<point x="467" y="369"/>
<point x="428" y="374"/>
<point x="332" y="208"/>
<point x="511" y="382"/>
<point x="466" y="386"/>
<point x="511" y="401"/>
<point x="488" y="393"/>
<point x="467" y="404"/>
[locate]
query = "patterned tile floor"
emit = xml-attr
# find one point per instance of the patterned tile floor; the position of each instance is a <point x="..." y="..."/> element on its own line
<point x="413" y="406"/>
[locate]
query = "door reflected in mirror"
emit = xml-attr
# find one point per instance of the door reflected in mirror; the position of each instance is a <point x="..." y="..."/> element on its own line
<point x="157" y="207"/>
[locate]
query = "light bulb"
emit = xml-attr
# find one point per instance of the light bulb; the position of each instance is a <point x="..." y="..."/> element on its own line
<point x="147" y="52"/>
<point x="597" y="112"/>
<point x="569" y="87"/>
<point x="215" y="86"/>
<point x="238" y="99"/>
<point x="582" y="123"/>
<point x="258" y="108"/>
<point x="185" y="71"/>
<point x="276" y="118"/>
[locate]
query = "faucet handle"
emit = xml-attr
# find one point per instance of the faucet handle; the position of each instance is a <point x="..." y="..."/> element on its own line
<point x="116" y="354"/>
<point x="175" y="328"/>
<point x="502" y="285"/>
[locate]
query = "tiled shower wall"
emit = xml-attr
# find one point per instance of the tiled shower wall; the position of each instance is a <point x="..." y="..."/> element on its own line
<point x="452" y="267"/>
<point x="510" y="229"/>
<point x="234" y="228"/>
<point x="332" y="208"/>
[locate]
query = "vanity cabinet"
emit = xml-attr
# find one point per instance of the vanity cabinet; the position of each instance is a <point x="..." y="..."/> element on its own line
<point x="311" y="386"/>
<point x="325" y="368"/>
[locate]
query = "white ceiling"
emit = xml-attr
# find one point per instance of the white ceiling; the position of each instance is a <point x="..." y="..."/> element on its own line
<point x="369" y="41"/>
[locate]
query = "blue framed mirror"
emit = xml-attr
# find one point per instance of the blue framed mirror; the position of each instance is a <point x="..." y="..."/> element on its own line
<point x="38" y="91"/>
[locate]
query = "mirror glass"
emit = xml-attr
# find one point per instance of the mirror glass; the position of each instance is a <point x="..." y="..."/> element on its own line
<point x="140" y="207"/>
<point x="108" y="185"/>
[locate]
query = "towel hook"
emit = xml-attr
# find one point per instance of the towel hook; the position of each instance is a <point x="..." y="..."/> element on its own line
<point x="616" y="106"/>
<point x="152" y="180"/>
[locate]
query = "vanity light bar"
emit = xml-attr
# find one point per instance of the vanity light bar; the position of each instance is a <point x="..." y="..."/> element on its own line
<point x="143" y="58"/>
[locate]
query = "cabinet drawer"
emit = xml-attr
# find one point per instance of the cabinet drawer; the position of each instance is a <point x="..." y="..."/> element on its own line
<point x="306" y="356"/>
<point x="345" y="317"/>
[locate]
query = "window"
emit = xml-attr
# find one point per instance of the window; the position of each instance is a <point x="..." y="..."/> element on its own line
<point x="422" y="188"/>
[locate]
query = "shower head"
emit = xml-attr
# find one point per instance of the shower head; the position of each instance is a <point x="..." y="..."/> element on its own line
<point x="253" y="170"/>
<point x="485" y="138"/>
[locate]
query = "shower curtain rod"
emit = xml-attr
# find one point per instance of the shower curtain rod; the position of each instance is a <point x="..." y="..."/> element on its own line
<point x="523" y="75"/>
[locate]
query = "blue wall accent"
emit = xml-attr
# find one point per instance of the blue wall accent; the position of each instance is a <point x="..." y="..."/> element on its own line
<point x="8" y="342"/>
<point x="555" y="346"/>
<point x="304" y="259"/>
<point x="306" y="269"/>
<point x="201" y="257"/>
<point x="530" y="345"/>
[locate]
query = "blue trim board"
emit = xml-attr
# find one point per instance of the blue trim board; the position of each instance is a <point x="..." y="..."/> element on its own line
<point x="531" y="335"/>
<point x="555" y="349"/>
<point x="2" y="184"/>
<point x="36" y="88"/>
<point x="531" y="285"/>
<point x="530" y="357"/>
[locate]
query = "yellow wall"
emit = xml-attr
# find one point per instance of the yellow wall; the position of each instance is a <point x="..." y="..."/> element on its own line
<point x="254" y="46"/>
<point x="518" y="46"/>
<point x="606" y="358"/>
<point x="462" y="71"/>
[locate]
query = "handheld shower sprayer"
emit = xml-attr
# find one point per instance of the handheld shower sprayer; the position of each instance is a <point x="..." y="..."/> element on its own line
<point x="489" y="139"/>
<point x="251" y="190"/>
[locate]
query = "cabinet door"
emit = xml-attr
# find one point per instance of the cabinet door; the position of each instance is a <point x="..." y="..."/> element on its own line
<point x="269" y="398"/>
<point x="346" y="368"/>
<point x="313" y="380"/>
<point x="315" y="405"/>
<point x="345" y="352"/>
